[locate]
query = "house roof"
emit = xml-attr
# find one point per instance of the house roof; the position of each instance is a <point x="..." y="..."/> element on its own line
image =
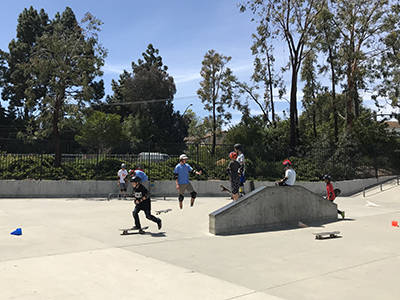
<point x="393" y="124"/>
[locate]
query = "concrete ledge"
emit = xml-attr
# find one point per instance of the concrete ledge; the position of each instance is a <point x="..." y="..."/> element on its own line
<point x="210" y="188"/>
<point x="269" y="208"/>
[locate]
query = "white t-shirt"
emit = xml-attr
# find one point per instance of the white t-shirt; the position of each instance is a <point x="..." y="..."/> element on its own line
<point x="240" y="159"/>
<point x="122" y="175"/>
<point x="291" y="176"/>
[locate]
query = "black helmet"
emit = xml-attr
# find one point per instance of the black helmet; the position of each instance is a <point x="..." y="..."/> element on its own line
<point x="327" y="177"/>
<point x="237" y="147"/>
<point x="136" y="179"/>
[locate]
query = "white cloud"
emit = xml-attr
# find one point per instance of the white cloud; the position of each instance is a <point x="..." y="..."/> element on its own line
<point x="186" y="77"/>
<point x="114" y="69"/>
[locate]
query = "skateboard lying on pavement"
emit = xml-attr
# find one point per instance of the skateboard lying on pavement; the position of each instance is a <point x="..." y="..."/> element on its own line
<point x="126" y="231"/>
<point x="326" y="235"/>
<point x="225" y="189"/>
<point x="163" y="211"/>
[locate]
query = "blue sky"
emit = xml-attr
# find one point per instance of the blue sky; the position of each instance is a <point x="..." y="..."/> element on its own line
<point x="182" y="30"/>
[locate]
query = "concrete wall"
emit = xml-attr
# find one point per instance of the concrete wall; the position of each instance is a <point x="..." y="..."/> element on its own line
<point x="93" y="188"/>
<point x="268" y="208"/>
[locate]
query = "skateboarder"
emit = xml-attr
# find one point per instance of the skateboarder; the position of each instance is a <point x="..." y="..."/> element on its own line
<point x="122" y="179"/>
<point x="234" y="175"/>
<point x="330" y="193"/>
<point x="142" y="201"/>
<point x="181" y="173"/>
<point x="290" y="174"/>
<point x="240" y="158"/>
<point x="137" y="171"/>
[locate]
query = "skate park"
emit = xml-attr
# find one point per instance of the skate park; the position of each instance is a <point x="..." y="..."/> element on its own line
<point x="71" y="248"/>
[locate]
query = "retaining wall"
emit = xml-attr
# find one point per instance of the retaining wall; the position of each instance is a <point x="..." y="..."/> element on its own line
<point x="93" y="188"/>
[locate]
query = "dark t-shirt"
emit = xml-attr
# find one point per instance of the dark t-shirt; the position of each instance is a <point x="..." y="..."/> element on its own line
<point x="233" y="169"/>
<point x="138" y="192"/>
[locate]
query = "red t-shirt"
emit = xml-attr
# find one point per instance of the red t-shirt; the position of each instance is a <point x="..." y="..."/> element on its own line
<point x="330" y="194"/>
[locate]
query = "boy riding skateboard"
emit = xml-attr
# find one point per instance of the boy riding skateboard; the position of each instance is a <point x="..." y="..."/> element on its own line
<point x="142" y="201"/>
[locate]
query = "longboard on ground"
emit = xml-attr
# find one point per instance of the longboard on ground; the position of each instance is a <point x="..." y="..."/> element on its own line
<point x="162" y="211"/>
<point x="225" y="189"/>
<point x="326" y="235"/>
<point x="126" y="231"/>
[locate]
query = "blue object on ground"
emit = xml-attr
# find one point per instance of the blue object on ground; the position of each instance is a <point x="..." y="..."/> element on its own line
<point x="17" y="231"/>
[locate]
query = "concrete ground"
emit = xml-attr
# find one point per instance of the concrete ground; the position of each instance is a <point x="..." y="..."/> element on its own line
<point x="72" y="249"/>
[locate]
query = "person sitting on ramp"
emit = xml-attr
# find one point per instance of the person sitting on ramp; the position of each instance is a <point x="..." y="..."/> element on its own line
<point x="290" y="175"/>
<point x="181" y="173"/>
<point x="142" y="201"/>
<point x="330" y="192"/>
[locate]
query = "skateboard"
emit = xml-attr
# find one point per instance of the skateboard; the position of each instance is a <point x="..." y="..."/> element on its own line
<point x="225" y="189"/>
<point x="163" y="211"/>
<point x="126" y="231"/>
<point x="326" y="235"/>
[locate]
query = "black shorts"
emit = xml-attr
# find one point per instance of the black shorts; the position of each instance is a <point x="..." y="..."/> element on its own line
<point x="235" y="184"/>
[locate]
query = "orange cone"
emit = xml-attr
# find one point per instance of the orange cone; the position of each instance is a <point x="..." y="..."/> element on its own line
<point x="395" y="224"/>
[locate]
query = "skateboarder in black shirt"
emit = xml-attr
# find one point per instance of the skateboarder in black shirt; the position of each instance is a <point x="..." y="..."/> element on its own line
<point x="142" y="201"/>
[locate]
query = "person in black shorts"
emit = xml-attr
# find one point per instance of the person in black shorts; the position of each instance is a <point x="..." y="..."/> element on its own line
<point x="142" y="201"/>
<point x="234" y="175"/>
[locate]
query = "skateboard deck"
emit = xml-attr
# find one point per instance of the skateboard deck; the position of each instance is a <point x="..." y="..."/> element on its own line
<point x="126" y="231"/>
<point x="225" y="189"/>
<point x="337" y="192"/>
<point x="326" y="235"/>
<point x="163" y="211"/>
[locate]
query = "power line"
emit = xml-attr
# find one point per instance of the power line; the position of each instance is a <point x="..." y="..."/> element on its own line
<point x="149" y="101"/>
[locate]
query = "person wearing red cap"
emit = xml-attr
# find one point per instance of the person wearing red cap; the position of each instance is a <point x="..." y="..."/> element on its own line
<point x="330" y="192"/>
<point x="234" y="175"/>
<point x="290" y="174"/>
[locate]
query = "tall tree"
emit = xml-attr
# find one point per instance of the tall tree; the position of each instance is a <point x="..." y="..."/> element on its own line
<point x="264" y="61"/>
<point x="294" y="22"/>
<point x="145" y="98"/>
<point x="327" y="39"/>
<point x="216" y="90"/>
<point x="362" y="24"/>
<point x="100" y="132"/>
<point x="388" y="69"/>
<point x="31" y="25"/>
<point x="65" y="63"/>
<point x="311" y="87"/>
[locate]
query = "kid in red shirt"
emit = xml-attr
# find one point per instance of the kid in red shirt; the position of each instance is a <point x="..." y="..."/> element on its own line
<point x="330" y="193"/>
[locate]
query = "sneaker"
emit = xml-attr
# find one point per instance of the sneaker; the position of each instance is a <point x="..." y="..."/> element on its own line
<point x="141" y="231"/>
<point x="342" y="214"/>
<point x="159" y="224"/>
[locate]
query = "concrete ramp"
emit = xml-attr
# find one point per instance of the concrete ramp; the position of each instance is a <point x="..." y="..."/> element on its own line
<point x="269" y="208"/>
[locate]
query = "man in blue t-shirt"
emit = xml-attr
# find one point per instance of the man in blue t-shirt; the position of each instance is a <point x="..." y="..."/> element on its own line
<point x="181" y="172"/>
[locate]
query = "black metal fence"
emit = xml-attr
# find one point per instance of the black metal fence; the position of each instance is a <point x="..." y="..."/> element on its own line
<point x="340" y="163"/>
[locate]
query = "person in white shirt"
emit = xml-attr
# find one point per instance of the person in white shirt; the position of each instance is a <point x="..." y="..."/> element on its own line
<point x="240" y="159"/>
<point x="290" y="174"/>
<point x="122" y="178"/>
